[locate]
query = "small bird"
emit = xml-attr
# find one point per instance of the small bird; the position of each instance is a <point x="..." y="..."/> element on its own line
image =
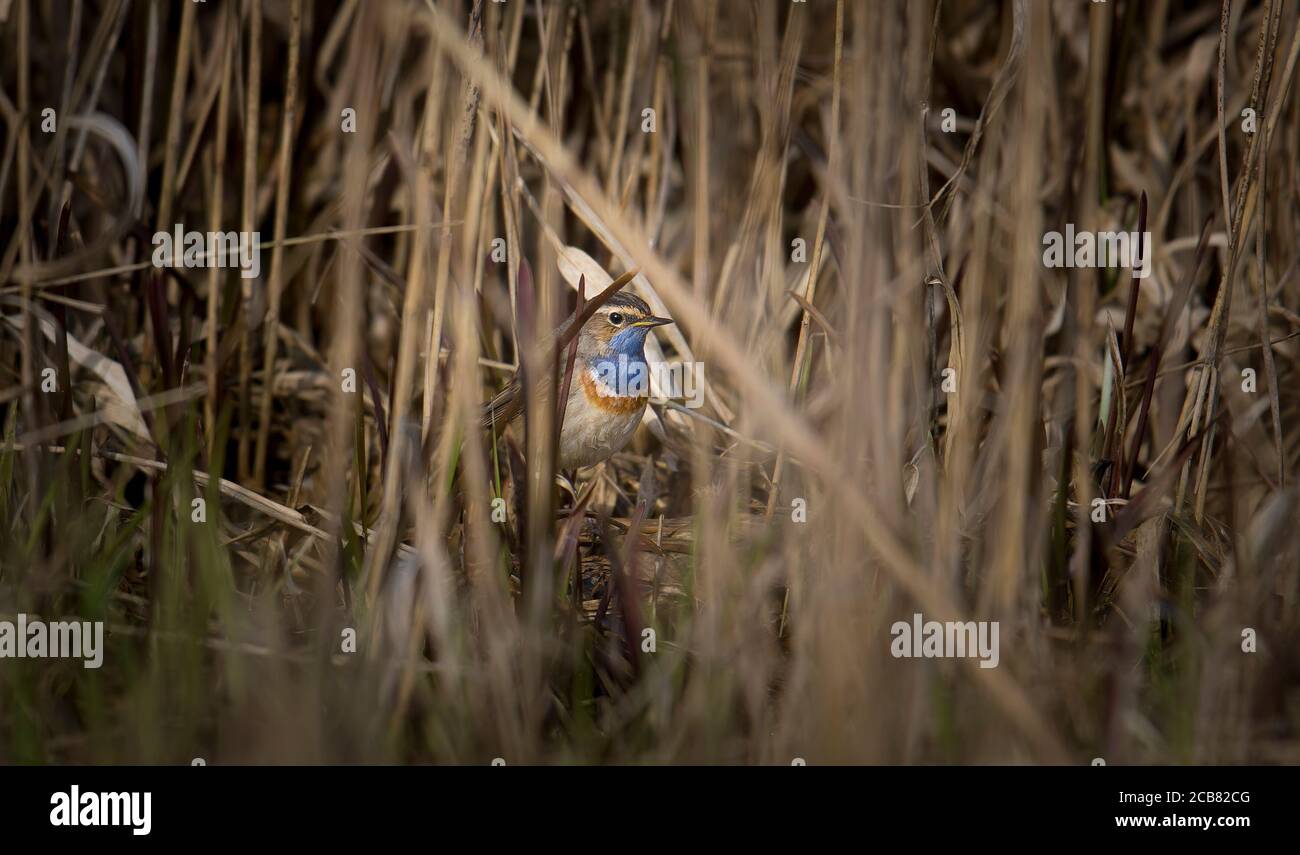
<point x="609" y="389"/>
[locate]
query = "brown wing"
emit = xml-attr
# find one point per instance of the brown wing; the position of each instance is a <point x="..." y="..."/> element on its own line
<point x="509" y="402"/>
<point x="503" y="408"/>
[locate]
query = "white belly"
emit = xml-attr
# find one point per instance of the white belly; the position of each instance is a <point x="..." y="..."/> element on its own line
<point x="591" y="435"/>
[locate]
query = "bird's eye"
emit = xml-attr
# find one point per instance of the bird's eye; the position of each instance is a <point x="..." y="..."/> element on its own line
<point x="615" y="318"/>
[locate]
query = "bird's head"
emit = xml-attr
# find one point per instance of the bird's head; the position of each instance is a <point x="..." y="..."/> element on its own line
<point x="619" y="328"/>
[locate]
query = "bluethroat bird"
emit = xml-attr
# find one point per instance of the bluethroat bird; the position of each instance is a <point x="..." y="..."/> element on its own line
<point x="609" y="389"/>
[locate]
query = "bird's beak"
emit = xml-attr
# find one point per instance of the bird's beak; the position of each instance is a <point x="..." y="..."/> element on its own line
<point x="653" y="322"/>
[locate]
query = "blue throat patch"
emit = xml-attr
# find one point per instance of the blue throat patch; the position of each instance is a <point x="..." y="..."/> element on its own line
<point x="621" y="366"/>
<point x="630" y="342"/>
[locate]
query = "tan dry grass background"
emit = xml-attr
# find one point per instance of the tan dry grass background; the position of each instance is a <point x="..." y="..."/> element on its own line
<point x="905" y="410"/>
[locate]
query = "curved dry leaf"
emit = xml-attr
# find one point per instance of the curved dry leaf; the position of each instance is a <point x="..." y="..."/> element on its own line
<point x="114" y="396"/>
